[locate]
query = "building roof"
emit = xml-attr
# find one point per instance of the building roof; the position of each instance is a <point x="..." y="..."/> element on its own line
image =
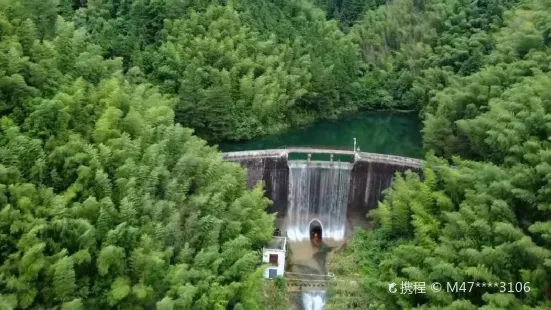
<point x="277" y="243"/>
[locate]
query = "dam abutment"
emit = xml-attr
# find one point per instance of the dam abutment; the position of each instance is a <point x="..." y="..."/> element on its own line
<point x="369" y="179"/>
<point x="274" y="171"/>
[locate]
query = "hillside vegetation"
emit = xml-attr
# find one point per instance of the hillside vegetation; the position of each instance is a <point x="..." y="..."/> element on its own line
<point x="482" y="211"/>
<point x="105" y="201"/>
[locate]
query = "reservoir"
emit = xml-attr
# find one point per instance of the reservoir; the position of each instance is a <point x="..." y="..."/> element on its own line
<point x="392" y="133"/>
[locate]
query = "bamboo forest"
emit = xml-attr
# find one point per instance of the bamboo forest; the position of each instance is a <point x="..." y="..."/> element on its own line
<point x="144" y="154"/>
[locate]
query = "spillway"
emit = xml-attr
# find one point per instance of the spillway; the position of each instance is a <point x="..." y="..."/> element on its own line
<point x="317" y="191"/>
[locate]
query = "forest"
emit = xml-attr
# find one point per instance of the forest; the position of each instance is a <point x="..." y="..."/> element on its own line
<point x="481" y="212"/>
<point x="112" y="198"/>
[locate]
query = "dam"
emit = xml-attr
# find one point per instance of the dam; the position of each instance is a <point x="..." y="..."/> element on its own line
<point x="337" y="190"/>
<point x="319" y="200"/>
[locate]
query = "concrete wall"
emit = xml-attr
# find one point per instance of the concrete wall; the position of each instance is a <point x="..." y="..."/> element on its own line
<point x="371" y="175"/>
<point x="274" y="172"/>
<point x="369" y="179"/>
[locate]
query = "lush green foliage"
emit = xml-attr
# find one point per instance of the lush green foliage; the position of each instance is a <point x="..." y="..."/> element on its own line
<point x="239" y="68"/>
<point x="105" y="202"/>
<point x="244" y="68"/>
<point x="485" y="95"/>
<point x="347" y="12"/>
<point x="473" y="222"/>
<point x="267" y="295"/>
<point x="220" y="67"/>
<point x="414" y="48"/>
<point x="521" y="52"/>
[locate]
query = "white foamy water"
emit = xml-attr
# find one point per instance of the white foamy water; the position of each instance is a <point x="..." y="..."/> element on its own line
<point x="318" y="191"/>
<point x="314" y="300"/>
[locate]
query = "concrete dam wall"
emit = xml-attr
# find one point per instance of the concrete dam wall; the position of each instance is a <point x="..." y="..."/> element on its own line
<point x="336" y="194"/>
<point x="273" y="170"/>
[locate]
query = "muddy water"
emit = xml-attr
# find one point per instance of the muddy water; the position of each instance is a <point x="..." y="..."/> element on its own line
<point x="310" y="261"/>
<point x="306" y="258"/>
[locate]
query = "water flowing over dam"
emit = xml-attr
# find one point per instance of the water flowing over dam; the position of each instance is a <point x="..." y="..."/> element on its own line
<point x="317" y="191"/>
<point x="313" y="300"/>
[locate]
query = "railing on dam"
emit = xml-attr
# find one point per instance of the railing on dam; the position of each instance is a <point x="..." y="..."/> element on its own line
<point x="319" y="147"/>
<point x="308" y="282"/>
<point x="297" y="283"/>
<point x="358" y="156"/>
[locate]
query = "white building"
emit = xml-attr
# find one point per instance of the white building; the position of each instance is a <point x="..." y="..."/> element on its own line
<point x="274" y="256"/>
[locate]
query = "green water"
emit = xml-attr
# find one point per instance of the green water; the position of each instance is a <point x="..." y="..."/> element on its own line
<point x="391" y="133"/>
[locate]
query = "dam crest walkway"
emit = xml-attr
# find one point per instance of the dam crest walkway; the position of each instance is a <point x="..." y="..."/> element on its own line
<point x="358" y="156"/>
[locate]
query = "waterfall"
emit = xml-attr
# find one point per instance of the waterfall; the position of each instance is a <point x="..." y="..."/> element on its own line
<point x="317" y="191"/>
<point x="314" y="300"/>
